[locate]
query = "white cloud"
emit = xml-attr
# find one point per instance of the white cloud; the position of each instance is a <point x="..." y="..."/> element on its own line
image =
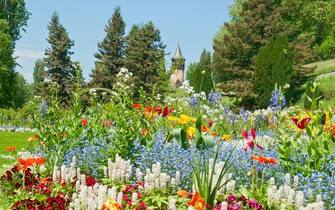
<point x="28" y="54"/>
<point x="26" y="58"/>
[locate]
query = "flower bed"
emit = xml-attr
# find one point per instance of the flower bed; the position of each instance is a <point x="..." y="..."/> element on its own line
<point x="180" y="153"/>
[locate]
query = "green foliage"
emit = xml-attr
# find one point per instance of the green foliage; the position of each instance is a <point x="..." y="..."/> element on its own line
<point x="144" y="54"/>
<point x="203" y="176"/>
<point x="200" y="74"/>
<point x="236" y="49"/>
<point x="313" y="96"/>
<point x="58" y="62"/>
<point x="15" y="12"/>
<point x="111" y="52"/>
<point x="273" y="66"/>
<point x="327" y="48"/>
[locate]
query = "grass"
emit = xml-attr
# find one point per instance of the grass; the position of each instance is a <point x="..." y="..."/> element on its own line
<point x="19" y="140"/>
<point x="327" y="86"/>
<point x="322" y="67"/>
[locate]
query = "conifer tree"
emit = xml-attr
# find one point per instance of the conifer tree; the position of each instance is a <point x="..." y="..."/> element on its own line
<point x="274" y="65"/>
<point x="39" y="76"/>
<point x="110" y="52"/>
<point x="58" y="59"/>
<point x="235" y="50"/>
<point x="144" y="55"/>
<point x="200" y="74"/>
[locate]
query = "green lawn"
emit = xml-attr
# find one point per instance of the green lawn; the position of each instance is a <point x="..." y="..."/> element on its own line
<point x="322" y="67"/>
<point x="19" y="140"/>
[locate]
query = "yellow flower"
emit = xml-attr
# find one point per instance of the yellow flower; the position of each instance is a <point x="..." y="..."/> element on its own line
<point x="190" y="132"/>
<point x="172" y="118"/>
<point x="226" y="137"/>
<point x="327" y="126"/>
<point x="184" y="119"/>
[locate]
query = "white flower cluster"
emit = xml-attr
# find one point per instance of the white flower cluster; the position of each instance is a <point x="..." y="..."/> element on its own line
<point x="119" y="170"/>
<point x="88" y="197"/>
<point x="66" y="174"/>
<point x="154" y="178"/>
<point x="286" y="196"/>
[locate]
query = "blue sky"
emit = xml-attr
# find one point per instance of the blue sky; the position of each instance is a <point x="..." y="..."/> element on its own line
<point x="192" y="23"/>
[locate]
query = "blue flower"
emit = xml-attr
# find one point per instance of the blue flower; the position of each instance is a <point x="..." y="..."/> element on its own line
<point x="193" y="101"/>
<point x="214" y="97"/>
<point x="277" y="100"/>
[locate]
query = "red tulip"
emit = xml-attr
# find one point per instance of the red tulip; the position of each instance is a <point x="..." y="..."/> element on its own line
<point x="302" y="124"/>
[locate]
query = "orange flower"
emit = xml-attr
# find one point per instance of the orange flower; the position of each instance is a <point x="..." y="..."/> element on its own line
<point x="111" y="204"/>
<point x="27" y="162"/>
<point x="214" y="134"/>
<point x="204" y="128"/>
<point x="333" y="131"/>
<point x="197" y="202"/>
<point x="264" y="160"/>
<point x="137" y="106"/>
<point x="182" y="193"/>
<point x="150" y="112"/>
<point x="10" y="148"/>
<point x="33" y="138"/>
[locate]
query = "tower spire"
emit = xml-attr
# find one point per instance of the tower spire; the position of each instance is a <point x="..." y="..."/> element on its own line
<point x="178" y="54"/>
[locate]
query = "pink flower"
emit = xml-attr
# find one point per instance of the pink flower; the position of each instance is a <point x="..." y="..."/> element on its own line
<point x="250" y="143"/>
<point x="231" y="198"/>
<point x="252" y="203"/>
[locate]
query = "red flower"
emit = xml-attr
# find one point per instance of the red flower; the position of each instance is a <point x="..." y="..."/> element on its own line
<point x="197" y="202"/>
<point x="137" y="106"/>
<point x="167" y="111"/>
<point x="84" y="122"/>
<point x="158" y="109"/>
<point x="264" y="160"/>
<point x="250" y="143"/>
<point x="90" y="181"/>
<point x="302" y="124"/>
<point x="210" y="122"/>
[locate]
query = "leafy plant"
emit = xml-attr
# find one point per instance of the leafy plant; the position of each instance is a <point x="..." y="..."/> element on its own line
<point x="207" y="179"/>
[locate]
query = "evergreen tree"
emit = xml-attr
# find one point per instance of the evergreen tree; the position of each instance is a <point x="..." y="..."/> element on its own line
<point x="58" y="59"/>
<point x="144" y="55"/>
<point x="274" y="65"/>
<point x="110" y="53"/>
<point x="200" y="74"/>
<point x="235" y="49"/>
<point x="39" y="75"/>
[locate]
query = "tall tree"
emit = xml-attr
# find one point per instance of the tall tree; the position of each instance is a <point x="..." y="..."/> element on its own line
<point x="15" y="12"/>
<point x="7" y="63"/>
<point x="274" y="65"/>
<point x="144" y="55"/>
<point x="58" y="59"/>
<point x="200" y="74"/>
<point x="236" y="49"/>
<point x="110" y="52"/>
<point x="39" y="76"/>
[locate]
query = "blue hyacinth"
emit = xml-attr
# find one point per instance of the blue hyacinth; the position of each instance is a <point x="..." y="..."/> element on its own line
<point x="193" y="101"/>
<point x="277" y="100"/>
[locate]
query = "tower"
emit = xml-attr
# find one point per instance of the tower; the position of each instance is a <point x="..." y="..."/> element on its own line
<point x="178" y="68"/>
